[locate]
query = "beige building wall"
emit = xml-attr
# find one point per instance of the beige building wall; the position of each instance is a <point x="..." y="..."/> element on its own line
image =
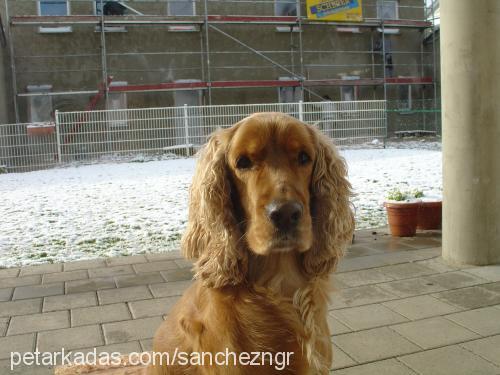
<point x="153" y="54"/>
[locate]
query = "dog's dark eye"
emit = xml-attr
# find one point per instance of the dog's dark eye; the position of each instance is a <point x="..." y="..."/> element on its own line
<point x="243" y="162"/>
<point x="303" y="158"/>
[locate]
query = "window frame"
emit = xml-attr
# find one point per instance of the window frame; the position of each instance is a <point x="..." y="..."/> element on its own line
<point x="54" y="29"/>
<point x="380" y="7"/>
<point x="277" y="3"/>
<point x="169" y="12"/>
<point x="108" y="29"/>
<point x="34" y="101"/>
<point x="117" y="97"/>
<point x="405" y="104"/>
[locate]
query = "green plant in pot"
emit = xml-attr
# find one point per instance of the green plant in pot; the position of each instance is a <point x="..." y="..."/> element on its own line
<point x="402" y="211"/>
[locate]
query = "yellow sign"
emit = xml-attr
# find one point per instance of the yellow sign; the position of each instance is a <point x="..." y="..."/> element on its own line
<point x="334" y="10"/>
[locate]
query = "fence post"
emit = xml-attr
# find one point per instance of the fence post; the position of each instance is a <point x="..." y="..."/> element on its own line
<point x="58" y="137"/>
<point x="186" y="128"/>
<point x="301" y="110"/>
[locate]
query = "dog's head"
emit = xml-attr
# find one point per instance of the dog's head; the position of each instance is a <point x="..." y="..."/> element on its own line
<point x="268" y="184"/>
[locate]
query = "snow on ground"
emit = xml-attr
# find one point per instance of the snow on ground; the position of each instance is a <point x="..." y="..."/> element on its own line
<point x="130" y="208"/>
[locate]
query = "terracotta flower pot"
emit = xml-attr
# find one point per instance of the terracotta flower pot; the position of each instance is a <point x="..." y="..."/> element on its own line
<point x="429" y="215"/>
<point x="402" y="218"/>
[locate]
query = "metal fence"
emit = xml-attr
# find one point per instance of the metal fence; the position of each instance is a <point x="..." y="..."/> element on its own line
<point x="94" y="136"/>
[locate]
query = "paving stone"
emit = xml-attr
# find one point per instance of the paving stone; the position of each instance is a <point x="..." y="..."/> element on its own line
<point x="20" y="281"/>
<point x="129" y="259"/>
<point x="4" y="322"/>
<point x="385" y="367"/>
<point x="32" y="291"/>
<point x="405" y="271"/>
<point x="70" y="338"/>
<point x="19" y="343"/>
<point x="161" y="265"/>
<point x="146" y="345"/>
<point x="340" y="359"/>
<point x="418" y="242"/>
<point x="131" y="330"/>
<point x="336" y="284"/>
<point x="485" y="321"/>
<point x="98" y="283"/>
<point x="491" y="273"/>
<point x="175" y="288"/>
<point x="448" y="360"/>
<point x="433" y="332"/>
<point x="336" y="326"/>
<point x="411" y="287"/>
<point x="43" y="268"/>
<point x="167" y="255"/>
<point x="355" y="251"/>
<point x="64" y="276"/>
<point x="69" y="301"/>
<point x="374" y="344"/>
<point x="9" y="272"/>
<point x="455" y="280"/>
<point x="437" y="264"/>
<point x="361" y="263"/>
<point x="84" y="264"/>
<point x="177" y="275"/>
<point x="133" y="293"/>
<point x="38" y="322"/>
<point x="488" y="348"/>
<point x="184" y="263"/>
<point x="361" y="295"/>
<point x="141" y="279"/>
<point x="22" y="307"/>
<point x="379" y="260"/>
<point x="420" y="307"/>
<point x="152" y="307"/>
<point x="363" y="277"/>
<point x="369" y="316"/>
<point x="99" y="314"/>
<point x="493" y="287"/>
<point x="122" y="348"/>
<point x="24" y="369"/>
<point x="6" y="294"/>
<point x="390" y="244"/>
<point x="470" y="298"/>
<point x="124" y="269"/>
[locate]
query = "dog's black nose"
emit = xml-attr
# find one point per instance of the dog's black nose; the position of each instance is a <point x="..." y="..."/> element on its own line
<point x="284" y="215"/>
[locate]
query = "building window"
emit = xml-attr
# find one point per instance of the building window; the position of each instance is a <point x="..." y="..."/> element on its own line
<point x="348" y="93"/>
<point x="54" y="8"/>
<point x="39" y="106"/>
<point x="285" y="8"/>
<point x="111" y="8"/>
<point x="181" y="8"/>
<point x="387" y="9"/>
<point x="405" y="98"/>
<point x="117" y="101"/>
<point x="289" y="94"/>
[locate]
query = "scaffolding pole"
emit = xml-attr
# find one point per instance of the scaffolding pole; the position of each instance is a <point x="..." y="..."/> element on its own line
<point x="12" y="62"/>
<point x="207" y="52"/>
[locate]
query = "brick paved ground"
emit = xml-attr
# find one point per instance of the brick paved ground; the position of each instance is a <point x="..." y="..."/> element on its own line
<point x="398" y="309"/>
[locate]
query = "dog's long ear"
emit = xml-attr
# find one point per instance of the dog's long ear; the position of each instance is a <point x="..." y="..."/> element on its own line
<point x="212" y="235"/>
<point x="333" y="220"/>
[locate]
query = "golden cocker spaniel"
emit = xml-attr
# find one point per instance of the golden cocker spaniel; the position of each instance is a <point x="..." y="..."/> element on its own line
<point x="269" y="218"/>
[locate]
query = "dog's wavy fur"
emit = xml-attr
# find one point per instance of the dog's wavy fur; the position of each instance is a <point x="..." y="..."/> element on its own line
<point x="248" y="301"/>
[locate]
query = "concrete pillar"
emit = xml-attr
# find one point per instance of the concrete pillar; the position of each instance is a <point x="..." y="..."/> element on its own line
<point x="470" y="75"/>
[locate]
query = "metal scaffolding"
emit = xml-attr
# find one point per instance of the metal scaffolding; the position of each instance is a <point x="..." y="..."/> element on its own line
<point x="206" y="24"/>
